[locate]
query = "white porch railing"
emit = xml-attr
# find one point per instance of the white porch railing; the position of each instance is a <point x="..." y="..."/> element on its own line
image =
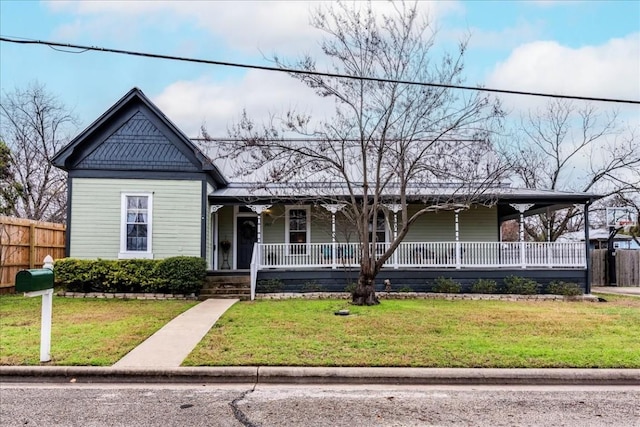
<point x="419" y="255"/>
<point x="426" y="254"/>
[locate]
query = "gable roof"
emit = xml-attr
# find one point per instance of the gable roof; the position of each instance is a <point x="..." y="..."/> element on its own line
<point x="134" y="135"/>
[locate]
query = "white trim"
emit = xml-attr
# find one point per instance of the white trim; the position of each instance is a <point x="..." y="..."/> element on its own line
<point x="287" y="210"/>
<point x="124" y="253"/>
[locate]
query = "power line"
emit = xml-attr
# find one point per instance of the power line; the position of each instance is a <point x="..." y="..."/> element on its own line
<point x="53" y="45"/>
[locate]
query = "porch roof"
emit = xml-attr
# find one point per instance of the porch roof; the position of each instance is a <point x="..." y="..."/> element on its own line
<point x="499" y="194"/>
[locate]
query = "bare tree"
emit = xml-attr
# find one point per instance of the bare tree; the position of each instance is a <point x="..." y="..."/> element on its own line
<point x="9" y="188"/>
<point x="388" y="143"/>
<point x="34" y="126"/>
<point x="574" y="148"/>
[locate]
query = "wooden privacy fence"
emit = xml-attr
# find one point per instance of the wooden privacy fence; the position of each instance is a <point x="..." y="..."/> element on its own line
<point x="627" y="267"/>
<point x="24" y="243"/>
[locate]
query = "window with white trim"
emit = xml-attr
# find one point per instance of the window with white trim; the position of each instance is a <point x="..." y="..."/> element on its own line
<point x="297" y="229"/>
<point x="380" y="229"/>
<point x="135" y="232"/>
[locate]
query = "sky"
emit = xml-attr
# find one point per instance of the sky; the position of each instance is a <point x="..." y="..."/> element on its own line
<point x="586" y="48"/>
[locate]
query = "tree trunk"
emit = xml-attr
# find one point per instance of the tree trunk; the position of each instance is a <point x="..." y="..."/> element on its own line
<point x="365" y="292"/>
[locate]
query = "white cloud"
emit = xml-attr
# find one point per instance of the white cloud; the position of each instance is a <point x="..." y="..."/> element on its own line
<point x="610" y="70"/>
<point x="247" y="26"/>
<point x="508" y="37"/>
<point x="189" y="104"/>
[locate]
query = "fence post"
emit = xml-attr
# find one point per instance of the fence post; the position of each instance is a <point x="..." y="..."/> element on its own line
<point x="32" y="245"/>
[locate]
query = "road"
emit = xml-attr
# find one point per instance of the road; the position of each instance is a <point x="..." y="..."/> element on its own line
<point x="286" y="405"/>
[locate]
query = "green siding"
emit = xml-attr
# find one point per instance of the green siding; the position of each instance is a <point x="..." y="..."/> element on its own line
<point x="477" y="224"/>
<point x="225" y="232"/>
<point x="431" y="227"/>
<point x="96" y="216"/>
<point x="273" y="225"/>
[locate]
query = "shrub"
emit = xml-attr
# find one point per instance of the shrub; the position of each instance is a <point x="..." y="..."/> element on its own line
<point x="269" y="285"/>
<point x="405" y="289"/>
<point x="78" y="275"/>
<point x="313" y="286"/>
<point x="446" y="286"/>
<point x="133" y="275"/>
<point x="520" y="285"/>
<point x="351" y="287"/>
<point x="182" y="275"/>
<point x="562" y="288"/>
<point x="484" y="286"/>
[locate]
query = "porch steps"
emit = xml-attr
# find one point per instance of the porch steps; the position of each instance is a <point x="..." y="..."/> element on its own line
<point x="226" y="287"/>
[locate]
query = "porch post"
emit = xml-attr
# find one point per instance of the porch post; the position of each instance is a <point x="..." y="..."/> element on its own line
<point x="458" y="254"/>
<point x="587" y="285"/>
<point x="395" y="208"/>
<point x="259" y="209"/>
<point x="549" y="248"/>
<point x="333" y="209"/>
<point x="214" y="210"/>
<point x="522" y="208"/>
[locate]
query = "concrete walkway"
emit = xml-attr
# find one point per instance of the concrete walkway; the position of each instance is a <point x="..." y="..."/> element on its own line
<point x="169" y="346"/>
<point x="633" y="291"/>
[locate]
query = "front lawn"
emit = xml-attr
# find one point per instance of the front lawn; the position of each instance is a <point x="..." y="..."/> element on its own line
<point x="426" y="333"/>
<point x="84" y="331"/>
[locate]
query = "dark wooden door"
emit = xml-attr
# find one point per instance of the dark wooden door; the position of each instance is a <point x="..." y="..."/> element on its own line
<point x="247" y="236"/>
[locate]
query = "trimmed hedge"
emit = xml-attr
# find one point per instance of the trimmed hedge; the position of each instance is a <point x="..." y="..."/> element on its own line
<point x="446" y="286"/>
<point x="176" y="275"/>
<point x="569" y="289"/>
<point x="520" y="285"/>
<point x="484" y="286"/>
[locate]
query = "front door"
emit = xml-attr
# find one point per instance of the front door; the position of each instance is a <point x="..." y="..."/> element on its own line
<point x="247" y="236"/>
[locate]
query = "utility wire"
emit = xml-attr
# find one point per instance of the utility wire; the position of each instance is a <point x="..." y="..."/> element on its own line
<point x="307" y="72"/>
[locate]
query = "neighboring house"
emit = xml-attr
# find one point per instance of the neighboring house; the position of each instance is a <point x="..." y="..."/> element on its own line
<point x="139" y="188"/>
<point x="599" y="238"/>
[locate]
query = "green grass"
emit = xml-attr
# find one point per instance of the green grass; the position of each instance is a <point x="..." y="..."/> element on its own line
<point x="429" y="333"/>
<point x="84" y="331"/>
<point x="426" y="333"/>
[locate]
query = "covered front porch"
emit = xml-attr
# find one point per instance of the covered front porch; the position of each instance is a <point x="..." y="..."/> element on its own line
<point x="306" y="240"/>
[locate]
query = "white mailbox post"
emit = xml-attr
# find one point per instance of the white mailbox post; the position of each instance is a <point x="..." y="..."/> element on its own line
<point x="35" y="283"/>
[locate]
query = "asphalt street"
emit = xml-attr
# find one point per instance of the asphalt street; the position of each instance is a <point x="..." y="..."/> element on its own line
<point x="320" y="405"/>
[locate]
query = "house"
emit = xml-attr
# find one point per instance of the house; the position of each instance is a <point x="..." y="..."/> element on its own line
<point x="140" y="188"/>
<point x="599" y="238"/>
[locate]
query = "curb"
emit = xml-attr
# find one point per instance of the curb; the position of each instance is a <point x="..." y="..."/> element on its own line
<point x="319" y="375"/>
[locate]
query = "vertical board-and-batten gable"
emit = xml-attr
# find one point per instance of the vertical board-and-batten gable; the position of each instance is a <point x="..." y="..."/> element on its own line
<point x="134" y="139"/>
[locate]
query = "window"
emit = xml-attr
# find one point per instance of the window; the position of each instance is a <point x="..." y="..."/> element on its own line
<point x="297" y="233"/>
<point x="380" y="233"/>
<point x="381" y="229"/>
<point x="135" y="238"/>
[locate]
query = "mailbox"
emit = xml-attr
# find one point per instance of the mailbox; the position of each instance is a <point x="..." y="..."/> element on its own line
<point x="34" y="280"/>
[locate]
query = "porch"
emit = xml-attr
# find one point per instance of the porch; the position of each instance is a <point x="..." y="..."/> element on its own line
<point x="332" y="266"/>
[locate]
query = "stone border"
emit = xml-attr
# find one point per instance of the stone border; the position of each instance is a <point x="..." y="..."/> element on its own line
<point x="427" y="295"/>
<point x="339" y="295"/>
<point x="125" y="295"/>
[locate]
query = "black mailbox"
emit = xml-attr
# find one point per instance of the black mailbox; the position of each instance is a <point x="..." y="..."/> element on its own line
<point x="34" y="280"/>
